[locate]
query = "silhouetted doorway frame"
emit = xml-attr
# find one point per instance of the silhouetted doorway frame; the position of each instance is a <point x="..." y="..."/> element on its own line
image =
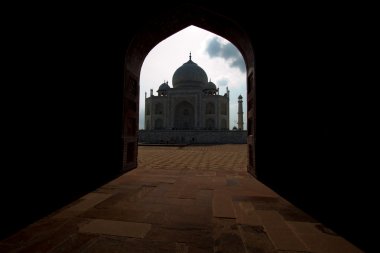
<point x="165" y="24"/>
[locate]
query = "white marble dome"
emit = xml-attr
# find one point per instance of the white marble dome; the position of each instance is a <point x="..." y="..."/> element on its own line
<point x="210" y="86"/>
<point x="189" y="75"/>
<point x="164" y="86"/>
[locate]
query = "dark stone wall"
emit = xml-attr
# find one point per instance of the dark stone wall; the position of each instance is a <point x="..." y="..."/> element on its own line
<point x="314" y="118"/>
<point x="63" y="84"/>
<point x="63" y="88"/>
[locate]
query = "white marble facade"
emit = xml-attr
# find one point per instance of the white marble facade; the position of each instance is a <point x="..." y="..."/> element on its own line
<point x="193" y="103"/>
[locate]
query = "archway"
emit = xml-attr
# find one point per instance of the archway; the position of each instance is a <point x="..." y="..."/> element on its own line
<point x="171" y="21"/>
<point x="210" y="124"/>
<point x="184" y="115"/>
<point x="223" y="124"/>
<point x="158" y="124"/>
<point x="210" y="108"/>
<point x="148" y="124"/>
<point x="158" y="109"/>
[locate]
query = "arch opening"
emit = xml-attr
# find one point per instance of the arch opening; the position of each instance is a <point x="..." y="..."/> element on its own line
<point x="161" y="31"/>
<point x="210" y="108"/>
<point x="184" y="116"/>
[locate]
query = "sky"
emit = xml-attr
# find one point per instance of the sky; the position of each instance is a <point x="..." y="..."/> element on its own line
<point x="218" y="57"/>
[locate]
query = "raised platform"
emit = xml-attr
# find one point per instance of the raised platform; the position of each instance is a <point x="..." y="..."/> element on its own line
<point x="192" y="137"/>
<point x="162" y="144"/>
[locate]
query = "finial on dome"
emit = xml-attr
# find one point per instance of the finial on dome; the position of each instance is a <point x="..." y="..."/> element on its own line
<point x="190" y="56"/>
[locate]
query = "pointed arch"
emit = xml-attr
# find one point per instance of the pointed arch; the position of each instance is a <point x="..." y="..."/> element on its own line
<point x="166" y="23"/>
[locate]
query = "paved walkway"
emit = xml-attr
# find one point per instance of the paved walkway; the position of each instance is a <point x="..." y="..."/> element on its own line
<point x="194" y="199"/>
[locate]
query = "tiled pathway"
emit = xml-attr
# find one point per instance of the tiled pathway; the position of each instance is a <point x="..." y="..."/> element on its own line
<point x="180" y="199"/>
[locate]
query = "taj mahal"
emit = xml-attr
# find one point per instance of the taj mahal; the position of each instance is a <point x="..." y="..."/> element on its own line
<point x="192" y="111"/>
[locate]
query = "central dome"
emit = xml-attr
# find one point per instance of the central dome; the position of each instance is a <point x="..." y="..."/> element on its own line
<point x="189" y="75"/>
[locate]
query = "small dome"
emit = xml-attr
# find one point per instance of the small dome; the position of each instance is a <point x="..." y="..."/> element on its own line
<point x="240" y="97"/>
<point x="164" y="86"/>
<point x="189" y="75"/>
<point x="210" y="86"/>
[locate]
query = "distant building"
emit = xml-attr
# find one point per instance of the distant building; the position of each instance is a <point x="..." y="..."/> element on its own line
<point x="192" y="111"/>
<point x="193" y="103"/>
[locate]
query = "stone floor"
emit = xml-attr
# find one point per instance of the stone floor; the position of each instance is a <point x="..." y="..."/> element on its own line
<point x="180" y="199"/>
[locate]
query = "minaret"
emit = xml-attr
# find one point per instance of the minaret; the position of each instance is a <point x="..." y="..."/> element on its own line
<point x="240" y="113"/>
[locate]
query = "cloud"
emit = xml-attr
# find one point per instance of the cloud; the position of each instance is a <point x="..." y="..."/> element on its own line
<point x="222" y="82"/>
<point x="229" y="51"/>
<point x="215" y="48"/>
<point x="238" y="63"/>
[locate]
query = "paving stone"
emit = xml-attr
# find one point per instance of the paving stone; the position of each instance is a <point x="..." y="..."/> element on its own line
<point x="222" y="205"/>
<point x="189" y="191"/>
<point x="38" y="230"/>
<point x="201" y="211"/>
<point x="292" y="251"/>
<point x="204" y="197"/>
<point x="155" y="180"/>
<point x="232" y="182"/>
<point x="199" y="181"/>
<point x="195" y="249"/>
<point x="178" y="201"/>
<point x="229" y="243"/>
<point x="217" y="182"/>
<point x="108" y="189"/>
<point x="147" y="206"/>
<point x="119" y="228"/>
<point x="140" y="194"/>
<point x="282" y="237"/>
<point x="182" y="220"/>
<point x="246" y="215"/>
<point x="117" y="214"/>
<point x="116" y="198"/>
<point x="246" y="206"/>
<point x="50" y="241"/>
<point x="324" y="229"/>
<point x="288" y="211"/>
<point x="181" y="248"/>
<point x="75" y="243"/>
<point x="259" y="202"/>
<point x="255" y="187"/>
<point x="122" y="245"/>
<point x="227" y="236"/>
<point x="199" y="237"/>
<point x="255" y="239"/>
<point x="319" y="241"/>
<point x="86" y="203"/>
<point x="167" y="179"/>
<point x="237" y="191"/>
<point x="159" y="191"/>
<point x="206" y="174"/>
<point x="175" y="190"/>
